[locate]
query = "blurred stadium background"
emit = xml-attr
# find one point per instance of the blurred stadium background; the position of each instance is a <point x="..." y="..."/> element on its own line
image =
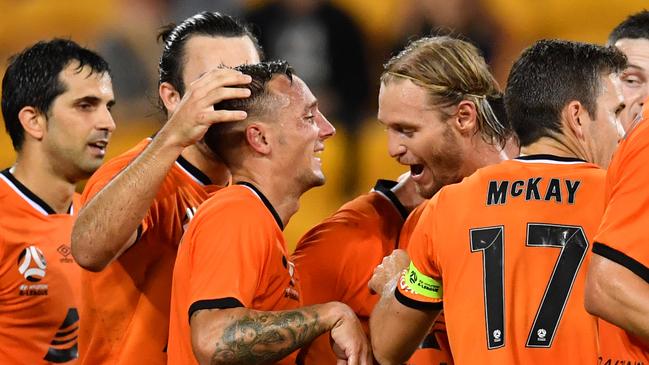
<point x="337" y="46"/>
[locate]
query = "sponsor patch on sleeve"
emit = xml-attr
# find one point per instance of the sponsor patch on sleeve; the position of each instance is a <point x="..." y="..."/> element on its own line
<point x="417" y="286"/>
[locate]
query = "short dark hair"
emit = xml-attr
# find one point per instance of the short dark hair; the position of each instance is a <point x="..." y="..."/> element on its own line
<point x="549" y="75"/>
<point x="32" y="79"/>
<point x="634" y="27"/>
<point x="220" y="137"/>
<point x="174" y="38"/>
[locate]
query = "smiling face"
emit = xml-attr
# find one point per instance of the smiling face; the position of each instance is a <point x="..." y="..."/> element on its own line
<point x="79" y="122"/>
<point x="419" y="138"/>
<point x="635" y="79"/>
<point x="299" y="132"/>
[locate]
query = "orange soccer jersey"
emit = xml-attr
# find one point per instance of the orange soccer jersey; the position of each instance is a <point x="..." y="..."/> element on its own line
<point x="39" y="280"/>
<point x="435" y="348"/>
<point x="621" y="236"/>
<point x="505" y="252"/>
<point x="233" y="255"/>
<point x="336" y="259"/>
<point x="125" y="307"/>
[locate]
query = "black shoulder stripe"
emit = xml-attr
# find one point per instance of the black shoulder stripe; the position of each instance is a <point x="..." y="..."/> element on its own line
<point x="384" y="186"/>
<point x="619" y="257"/>
<point x="410" y="303"/>
<point x="221" y="303"/>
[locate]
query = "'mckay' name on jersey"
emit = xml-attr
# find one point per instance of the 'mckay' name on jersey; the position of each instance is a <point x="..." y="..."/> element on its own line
<point x="537" y="188"/>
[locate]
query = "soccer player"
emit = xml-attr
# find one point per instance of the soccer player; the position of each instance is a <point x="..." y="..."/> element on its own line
<point x="235" y="299"/>
<point x="56" y="100"/>
<point x="504" y="251"/>
<point x="336" y="258"/>
<point x="632" y="38"/>
<point x="137" y="205"/>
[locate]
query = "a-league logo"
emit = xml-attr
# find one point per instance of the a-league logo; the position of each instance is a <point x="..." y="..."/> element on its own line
<point x="32" y="264"/>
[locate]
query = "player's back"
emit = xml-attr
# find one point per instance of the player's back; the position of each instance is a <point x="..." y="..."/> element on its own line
<point x="39" y="280"/>
<point x="511" y="243"/>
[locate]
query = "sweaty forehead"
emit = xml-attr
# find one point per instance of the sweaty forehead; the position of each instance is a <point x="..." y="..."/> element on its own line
<point x="204" y="53"/>
<point x="86" y="81"/>
<point x="293" y="94"/>
<point x="402" y="99"/>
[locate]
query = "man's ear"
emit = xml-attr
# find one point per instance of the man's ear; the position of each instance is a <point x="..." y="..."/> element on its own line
<point x="170" y="96"/>
<point x="257" y="138"/>
<point x="466" y="118"/>
<point x="574" y="118"/>
<point x="33" y="121"/>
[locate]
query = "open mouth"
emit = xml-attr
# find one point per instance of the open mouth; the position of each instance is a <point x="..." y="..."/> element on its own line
<point x="416" y="170"/>
<point x="99" y="145"/>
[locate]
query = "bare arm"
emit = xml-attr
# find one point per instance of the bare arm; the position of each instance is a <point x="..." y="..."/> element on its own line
<point x="107" y="224"/>
<point x="245" y="336"/>
<point x="397" y="330"/>
<point x="617" y="295"/>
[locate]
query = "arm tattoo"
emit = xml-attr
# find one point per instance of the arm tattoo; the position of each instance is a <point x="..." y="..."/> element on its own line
<point x="263" y="337"/>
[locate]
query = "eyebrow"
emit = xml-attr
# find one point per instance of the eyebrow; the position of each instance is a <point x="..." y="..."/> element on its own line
<point x="94" y="100"/>
<point x="311" y="106"/>
<point x="635" y="66"/>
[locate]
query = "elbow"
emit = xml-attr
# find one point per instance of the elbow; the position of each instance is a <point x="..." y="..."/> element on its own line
<point x="205" y="353"/>
<point x="382" y="358"/>
<point x="84" y="256"/>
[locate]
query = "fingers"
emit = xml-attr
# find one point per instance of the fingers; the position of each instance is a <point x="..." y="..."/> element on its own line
<point x="222" y="116"/>
<point x="223" y="76"/>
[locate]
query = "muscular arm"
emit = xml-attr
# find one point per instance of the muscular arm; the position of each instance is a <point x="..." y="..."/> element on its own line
<point x="107" y="225"/>
<point x="397" y="330"/>
<point x="245" y="336"/>
<point x="617" y="295"/>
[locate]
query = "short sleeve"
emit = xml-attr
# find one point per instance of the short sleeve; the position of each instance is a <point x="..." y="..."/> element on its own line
<point x="227" y="257"/>
<point x="621" y="236"/>
<point x="420" y="285"/>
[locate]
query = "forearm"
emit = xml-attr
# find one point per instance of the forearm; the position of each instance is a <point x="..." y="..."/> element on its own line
<point x="396" y="330"/>
<point x="107" y="225"/>
<point x="244" y="336"/>
<point x="617" y="295"/>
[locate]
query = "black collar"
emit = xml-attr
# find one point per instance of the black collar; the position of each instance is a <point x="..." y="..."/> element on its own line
<point x="29" y="195"/>
<point x="194" y="171"/>
<point x="266" y="202"/>
<point x="549" y="157"/>
<point x="383" y="187"/>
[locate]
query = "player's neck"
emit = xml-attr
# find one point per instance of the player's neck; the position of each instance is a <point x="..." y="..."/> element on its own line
<point x="208" y="164"/>
<point x="551" y="146"/>
<point x="485" y="154"/>
<point x="281" y="196"/>
<point x="42" y="179"/>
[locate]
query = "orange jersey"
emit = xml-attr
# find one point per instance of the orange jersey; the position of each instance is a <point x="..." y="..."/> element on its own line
<point x="125" y="307"/>
<point x="435" y="348"/>
<point x="621" y="235"/>
<point x="336" y="258"/>
<point x="505" y="252"/>
<point x="39" y="280"/>
<point x="233" y="255"/>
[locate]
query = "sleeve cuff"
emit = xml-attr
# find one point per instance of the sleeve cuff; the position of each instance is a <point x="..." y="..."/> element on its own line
<point x="415" y="304"/>
<point x="619" y="257"/>
<point x="221" y="303"/>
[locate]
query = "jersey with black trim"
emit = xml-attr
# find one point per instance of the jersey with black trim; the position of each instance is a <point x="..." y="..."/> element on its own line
<point x="435" y="349"/>
<point x="125" y="307"/>
<point x="505" y="251"/>
<point x="336" y="258"/>
<point x="233" y="255"/>
<point x="39" y="279"/>
<point x="621" y="236"/>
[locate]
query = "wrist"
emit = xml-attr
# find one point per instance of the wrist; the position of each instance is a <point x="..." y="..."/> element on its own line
<point x="333" y="313"/>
